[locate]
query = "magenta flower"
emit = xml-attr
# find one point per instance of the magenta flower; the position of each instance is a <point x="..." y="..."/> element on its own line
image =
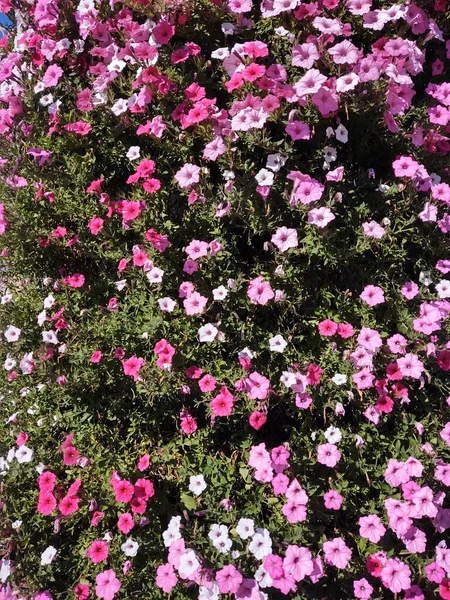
<point x="132" y="366"/>
<point x="98" y="551"/>
<point x="337" y="553"/>
<point x="222" y="404"/>
<point x="107" y="585"/>
<point x="328" y="454"/>
<point x="372" y="295"/>
<point x="327" y="328"/>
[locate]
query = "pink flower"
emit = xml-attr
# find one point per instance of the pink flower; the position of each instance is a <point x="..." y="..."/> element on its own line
<point x="207" y="383"/>
<point x="71" y="455"/>
<point x="228" y="579"/>
<point x="363" y="379"/>
<point x="410" y="290"/>
<point x="328" y="454"/>
<point x="344" y="53"/>
<point x="373" y="230"/>
<point x="46" y="481"/>
<point x="298" y="130"/>
<point x="410" y="366"/>
<point x="362" y="589"/>
<point x="75" y="281"/>
<point x="298" y="562"/>
<point x="166" y="578"/>
<point x="125" y="523"/>
<point x="98" y="551"/>
<point x="371" y="528"/>
<point x="163" y="32"/>
<point x="337" y="553"/>
<point x="257" y="386"/>
<point x="96" y="356"/>
<point x="259" y="291"/>
<point x="195" y="304"/>
<point x="396" y="575"/>
<point x="123" y="491"/>
<point x="222" y="404"/>
<point x="327" y="328"/>
<point x="285" y="238"/>
<point x="80" y="127"/>
<point x="320" y="217"/>
<point x="188" y="175"/>
<point x="132" y="365"/>
<point x="345" y="330"/>
<point x="143" y="462"/>
<point x="46" y="503"/>
<point x="96" y="225"/>
<point x="333" y="500"/>
<point x="107" y="585"/>
<point x="68" y="505"/>
<point x="130" y="210"/>
<point x="405" y="166"/>
<point x="240" y="6"/>
<point x="372" y="295"/>
<point x="52" y="75"/>
<point x="257" y="419"/>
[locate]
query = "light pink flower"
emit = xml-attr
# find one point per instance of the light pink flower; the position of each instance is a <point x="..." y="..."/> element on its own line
<point x="372" y="295"/>
<point x="337" y="553"/>
<point x="260" y="291"/>
<point x="188" y="175"/>
<point x="107" y="585"/>
<point x="328" y="454"/>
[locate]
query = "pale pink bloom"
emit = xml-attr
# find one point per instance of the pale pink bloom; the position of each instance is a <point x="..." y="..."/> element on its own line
<point x="107" y="585"/>
<point x="240" y="6"/>
<point x="228" y="579"/>
<point x="260" y="291"/>
<point x="328" y="454"/>
<point x="370" y="339"/>
<point x="196" y="249"/>
<point x="373" y="230"/>
<point x="259" y="458"/>
<point x="195" y="304"/>
<point x="372" y="295"/>
<point x="410" y="366"/>
<point x="347" y="82"/>
<point x="294" y="511"/>
<point x="214" y="149"/>
<point x="409" y="290"/>
<point x="371" y="528"/>
<point x="320" y="217"/>
<point x="337" y="553"/>
<point x="166" y="578"/>
<point x="396" y="575"/>
<point x="188" y="175"/>
<point x="363" y="379"/>
<point x="344" y="53"/>
<point x="304" y="55"/>
<point x="257" y="386"/>
<point x="310" y="83"/>
<point x="285" y="238"/>
<point x="52" y="75"/>
<point x="298" y="562"/>
<point x="396" y="473"/>
<point x="362" y="589"/>
<point x="333" y="500"/>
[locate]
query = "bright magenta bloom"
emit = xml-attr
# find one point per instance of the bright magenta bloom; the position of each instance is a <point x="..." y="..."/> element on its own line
<point x="98" y="551"/>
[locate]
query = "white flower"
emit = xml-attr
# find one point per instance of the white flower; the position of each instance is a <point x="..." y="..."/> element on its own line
<point x="220" y="53"/>
<point x="39" y="87"/>
<point x="171" y="536"/>
<point x="217" y="531"/>
<point x="275" y="162"/>
<point x="260" y="546"/>
<point x="425" y="278"/>
<point x="329" y="132"/>
<point x="50" y="337"/>
<point x="134" y="152"/>
<point x="49" y="301"/>
<point x="48" y="555"/>
<point x="9" y="363"/>
<point x="288" y="379"/>
<point x="333" y="435"/>
<point x="188" y="563"/>
<point x="121" y="284"/>
<point x="116" y="65"/>
<point x="264" y="177"/>
<point x="7" y="297"/>
<point x="208" y="333"/>
<point x="223" y="545"/>
<point x="155" y="275"/>
<point x="443" y="288"/>
<point x="24" y="454"/>
<point x="12" y="333"/>
<point x="277" y="344"/>
<point x="245" y="528"/>
<point x="120" y="106"/>
<point x="5" y="570"/>
<point x="341" y="134"/>
<point x="208" y="594"/>
<point x="4" y="466"/>
<point x="167" y="304"/>
<point x="220" y="293"/>
<point x="263" y="578"/>
<point x="330" y="154"/>
<point x="46" y="100"/>
<point x="41" y="318"/>
<point x="246" y="353"/>
<point x="197" y="484"/>
<point x="281" y="31"/>
<point x="339" y="379"/>
<point x="16" y="524"/>
<point x="130" y="547"/>
<point x="174" y="524"/>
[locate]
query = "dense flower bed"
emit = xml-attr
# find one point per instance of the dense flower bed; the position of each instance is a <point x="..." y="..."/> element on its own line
<point x="225" y="300"/>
